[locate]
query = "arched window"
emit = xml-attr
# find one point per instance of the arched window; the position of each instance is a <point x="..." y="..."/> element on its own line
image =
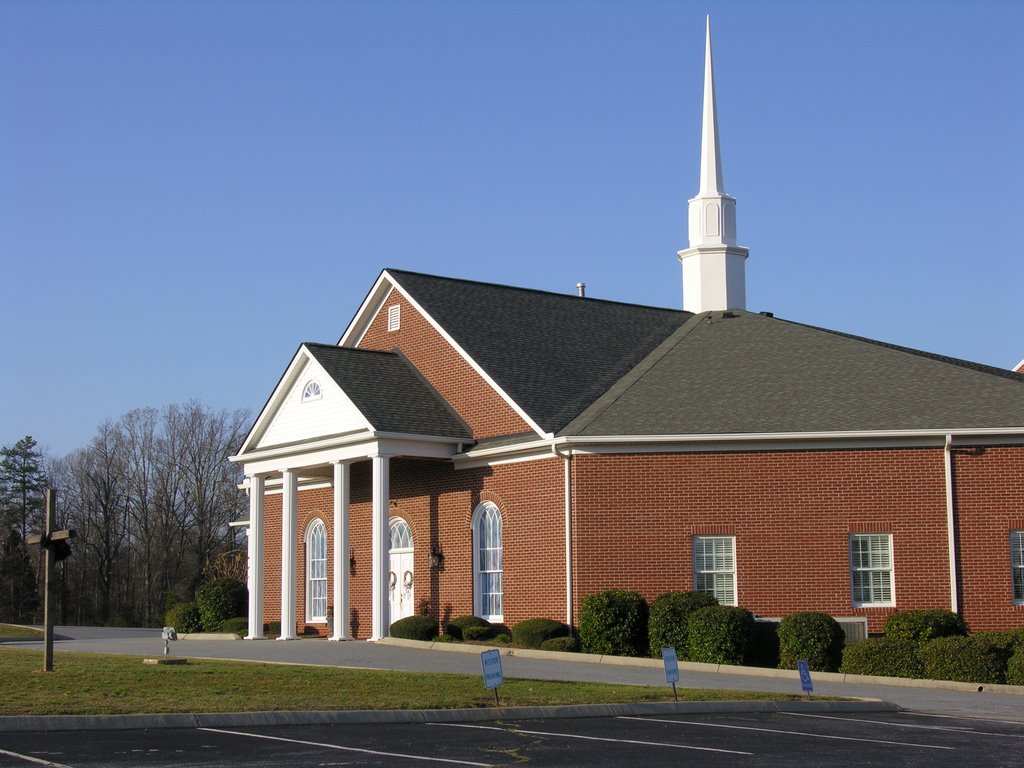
<point x="487" y="562"/>
<point x="316" y="571"/>
<point x="401" y="534"/>
<point x="311" y="392"/>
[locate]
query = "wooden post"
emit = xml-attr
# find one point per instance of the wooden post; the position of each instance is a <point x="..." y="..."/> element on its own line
<point x="49" y="599"/>
<point x="55" y="546"/>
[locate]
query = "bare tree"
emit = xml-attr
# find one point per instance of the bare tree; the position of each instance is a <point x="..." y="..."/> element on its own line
<point x="151" y="497"/>
<point x="101" y="507"/>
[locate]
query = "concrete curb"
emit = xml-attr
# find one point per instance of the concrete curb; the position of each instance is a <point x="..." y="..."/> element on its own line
<point x="250" y="719"/>
<point x="722" y="669"/>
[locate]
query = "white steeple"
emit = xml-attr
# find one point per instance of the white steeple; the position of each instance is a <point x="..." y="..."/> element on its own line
<point x="713" y="265"/>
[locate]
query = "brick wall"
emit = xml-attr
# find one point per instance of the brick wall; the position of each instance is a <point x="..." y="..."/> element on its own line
<point x="438" y="504"/>
<point x="473" y="398"/>
<point x="990" y="504"/>
<point x="791" y="512"/>
<point x="634" y="518"/>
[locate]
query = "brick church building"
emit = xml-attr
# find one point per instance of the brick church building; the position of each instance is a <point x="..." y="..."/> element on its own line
<point x="469" y="448"/>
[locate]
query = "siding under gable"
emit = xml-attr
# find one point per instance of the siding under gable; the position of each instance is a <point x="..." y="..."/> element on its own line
<point x="333" y="413"/>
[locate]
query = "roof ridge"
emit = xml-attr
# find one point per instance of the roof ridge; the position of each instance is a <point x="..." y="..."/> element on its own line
<point x="521" y="289"/>
<point x="957" y="361"/>
<point x="322" y="345"/>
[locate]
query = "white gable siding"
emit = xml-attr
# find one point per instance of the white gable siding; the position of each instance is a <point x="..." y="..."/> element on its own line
<point x="295" y="420"/>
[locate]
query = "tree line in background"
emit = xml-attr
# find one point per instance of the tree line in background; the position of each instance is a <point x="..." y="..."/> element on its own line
<point x="150" y="498"/>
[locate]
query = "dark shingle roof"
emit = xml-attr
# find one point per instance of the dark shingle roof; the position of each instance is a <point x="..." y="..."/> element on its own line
<point x="389" y="391"/>
<point x="756" y="374"/>
<point x="553" y="354"/>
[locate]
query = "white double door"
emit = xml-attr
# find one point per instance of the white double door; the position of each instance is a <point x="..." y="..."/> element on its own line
<point x="401" y="574"/>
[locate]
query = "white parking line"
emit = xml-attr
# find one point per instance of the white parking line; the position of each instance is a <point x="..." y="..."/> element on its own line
<point x="879" y="722"/>
<point x="969" y="718"/>
<point x="787" y="733"/>
<point x="35" y="760"/>
<point x="345" y="749"/>
<point x="592" y="738"/>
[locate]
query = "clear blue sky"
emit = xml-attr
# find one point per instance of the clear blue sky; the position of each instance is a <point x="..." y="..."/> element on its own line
<point x="188" y="190"/>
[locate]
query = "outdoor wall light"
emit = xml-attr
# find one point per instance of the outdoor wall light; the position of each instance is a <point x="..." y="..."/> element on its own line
<point x="351" y="563"/>
<point x="437" y="559"/>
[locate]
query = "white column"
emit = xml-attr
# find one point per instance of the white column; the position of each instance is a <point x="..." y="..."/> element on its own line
<point x="289" y="502"/>
<point x="257" y="487"/>
<point x="341" y="588"/>
<point x="379" y="531"/>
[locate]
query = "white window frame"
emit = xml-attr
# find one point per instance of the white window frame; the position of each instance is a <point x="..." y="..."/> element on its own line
<point x="484" y="576"/>
<point x="399" y="535"/>
<point x="717" y="577"/>
<point x="311" y="391"/>
<point x="1017" y="566"/>
<point x="394" y="317"/>
<point x="316" y="584"/>
<point x="879" y="572"/>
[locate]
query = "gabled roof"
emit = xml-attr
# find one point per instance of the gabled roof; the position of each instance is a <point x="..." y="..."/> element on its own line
<point x="552" y="354"/>
<point x="369" y="395"/>
<point x="743" y="373"/>
<point x="389" y="392"/>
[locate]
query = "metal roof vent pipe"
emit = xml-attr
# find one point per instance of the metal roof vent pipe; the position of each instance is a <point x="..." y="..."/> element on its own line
<point x="581" y="289"/>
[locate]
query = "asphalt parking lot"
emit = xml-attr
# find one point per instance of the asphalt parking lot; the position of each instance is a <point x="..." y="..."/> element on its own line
<point x="889" y="739"/>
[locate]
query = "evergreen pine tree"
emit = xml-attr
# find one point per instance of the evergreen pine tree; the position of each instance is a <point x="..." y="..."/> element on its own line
<point x="22" y="487"/>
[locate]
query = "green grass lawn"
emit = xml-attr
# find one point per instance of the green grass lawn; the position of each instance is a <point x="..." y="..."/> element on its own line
<point x="93" y="684"/>
<point x="17" y="632"/>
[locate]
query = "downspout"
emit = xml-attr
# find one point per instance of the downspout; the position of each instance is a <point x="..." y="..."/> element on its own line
<point x="954" y="603"/>
<point x="567" y="458"/>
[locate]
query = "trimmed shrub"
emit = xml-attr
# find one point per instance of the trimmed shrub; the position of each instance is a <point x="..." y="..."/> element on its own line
<point x="220" y="599"/>
<point x="964" y="659"/>
<point x="1008" y="640"/>
<point x="239" y="625"/>
<point x="564" y="644"/>
<point x="883" y="656"/>
<point x="414" y="628"/>
<point x="669" y="617"/>
<point x="614" y="623"/>
<point x="184" y="617"/>
<point x="812" y="636"/>
<point x="720" y="634"/>
<point x="457" y="626"/>
<point x="502" y="637"/>
<point x="478" y="633"/>
<point x="533" y="632"/>
<point x="1015" y="667"/>
<point x="272" y="629"/>
<point x="924" y="624"/>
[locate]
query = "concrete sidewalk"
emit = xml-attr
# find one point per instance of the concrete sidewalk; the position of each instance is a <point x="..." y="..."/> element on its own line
<point x="941" y="698"/>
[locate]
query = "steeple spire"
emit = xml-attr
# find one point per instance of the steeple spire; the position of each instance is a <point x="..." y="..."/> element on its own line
<point x="711" y="182"/>
<point x="713" y="266"/>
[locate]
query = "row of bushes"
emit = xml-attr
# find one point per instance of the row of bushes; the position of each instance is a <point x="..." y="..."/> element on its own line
<point x="984" y="657"/>
<point x="220" y="606"/>
<point x="545" y="634"/>
<point x="934" y="644"/>
<point x="918" y="644"/>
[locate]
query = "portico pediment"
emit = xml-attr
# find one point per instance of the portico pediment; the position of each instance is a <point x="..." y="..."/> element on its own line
<point x="338" y="404"/>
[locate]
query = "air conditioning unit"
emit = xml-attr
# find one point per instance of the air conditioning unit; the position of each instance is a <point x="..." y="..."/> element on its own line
<point x="855" y="628"/>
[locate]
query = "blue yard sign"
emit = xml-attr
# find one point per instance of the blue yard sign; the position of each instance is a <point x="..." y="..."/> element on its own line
<point x="491" y="661"/>
<point x="805" y="676"/>
<point x="668" y="655"/>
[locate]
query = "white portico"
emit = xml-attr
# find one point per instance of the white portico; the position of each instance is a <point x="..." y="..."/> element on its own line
<point x="333" y="407"/>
